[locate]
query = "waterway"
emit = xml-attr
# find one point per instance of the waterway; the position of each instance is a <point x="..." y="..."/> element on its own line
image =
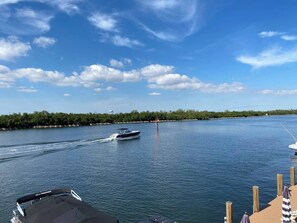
<point x="185" y="171"/>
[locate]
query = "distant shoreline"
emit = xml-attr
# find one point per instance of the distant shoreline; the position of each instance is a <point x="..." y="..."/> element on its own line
<point x="93" y="124"/>
<point x="46" y="120"/>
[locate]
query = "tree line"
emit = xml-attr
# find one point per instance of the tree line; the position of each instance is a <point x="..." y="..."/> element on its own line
<point x="44" y="118"/>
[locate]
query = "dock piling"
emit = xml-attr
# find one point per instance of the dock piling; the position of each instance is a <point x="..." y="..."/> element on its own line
<point x="229" y="216"/>
<point x="256" y="206"/>
<point x="279" y="184"/>
<point x="292" y="176"/>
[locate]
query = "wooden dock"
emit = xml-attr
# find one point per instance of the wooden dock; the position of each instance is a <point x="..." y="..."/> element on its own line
<point x="273" y="212"/>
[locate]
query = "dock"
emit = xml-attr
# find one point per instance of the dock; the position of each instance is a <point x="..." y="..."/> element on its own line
<point x="272" y="213"/>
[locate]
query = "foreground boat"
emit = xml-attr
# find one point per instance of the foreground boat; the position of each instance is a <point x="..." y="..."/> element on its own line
<point x="293" y="147"/>
<point x="58" y="206"/>
<point x="126" y="134"/>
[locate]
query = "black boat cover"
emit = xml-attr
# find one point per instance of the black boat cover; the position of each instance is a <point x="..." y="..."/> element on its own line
<point x="64" y="209"/>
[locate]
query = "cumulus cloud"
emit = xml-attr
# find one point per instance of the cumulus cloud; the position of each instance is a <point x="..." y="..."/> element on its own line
<point x="103" y="21"/>
<point x="161" y="77"/>
<point x="125" y="41"/>
<point x="278" y="92"/>
<point x="154" y="70"/>
<point x="157" y="76"/>
<point x="67" y="95"/>
<point x="44" y="42"/>
<point x="183" y="82"/>
<point x="101" y="72"/>
<point x="12" y="47"/>
<point x="271" y="57"/>
<point x="120" y="63"/>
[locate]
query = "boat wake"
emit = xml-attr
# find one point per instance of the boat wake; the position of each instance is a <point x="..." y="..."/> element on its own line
<point x="9" y="152"/>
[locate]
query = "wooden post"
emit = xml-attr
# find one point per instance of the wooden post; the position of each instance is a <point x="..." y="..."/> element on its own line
<point x="229" y="216"/>
<point x="292" y="176"/>
<point x="256" y="206"/>
<point x="279" y="184"/>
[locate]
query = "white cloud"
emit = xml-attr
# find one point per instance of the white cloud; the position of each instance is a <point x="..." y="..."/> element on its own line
<point x="35" y="19"/>
<point x="98" y="89"/>
<point x="161" y="4"/>
<point x="5" y="2"/>
<point x="183" y="82"/>
<point x="176" y="19"/>
<point x="289" y="37"/>
<point x="27" y="90"/>
<point x="104" y="21"/>
<point x="68" y="6"/>
<point x="4" y="85"/>
<point x="154" y="70"/>
<point x="157" y="76"/>
<point x="109" y="88"/>
<point x="125" y="41"/>
<point x="120" y="63"/>
<point x="39" y="75"/>
<point x="278" y="92"/>
<point x="44" y="42"/>
<point x="161" y="77"/>
<point x="154" y="94"/>
<point x="175" y="11"/>
<point x="116" y="63"/>
<point x="11" y="48"/>
<point x="266" y="34"/>
<point x="163" y="35"/>
<point x="101" y="72"/>
<point x="270" y="57"/>
<point x="67" y="95"/>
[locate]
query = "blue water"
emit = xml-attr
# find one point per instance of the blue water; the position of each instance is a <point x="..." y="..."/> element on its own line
<point x="187" y="171"/>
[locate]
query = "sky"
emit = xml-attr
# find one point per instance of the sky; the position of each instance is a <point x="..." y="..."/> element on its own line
<point x="102" y="56"/>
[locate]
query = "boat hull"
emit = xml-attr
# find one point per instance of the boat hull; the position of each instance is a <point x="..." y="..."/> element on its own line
<point x="128" y="136"/>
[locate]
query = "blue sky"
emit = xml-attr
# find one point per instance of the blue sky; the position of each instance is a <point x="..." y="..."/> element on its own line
<point x="96" y="56"/>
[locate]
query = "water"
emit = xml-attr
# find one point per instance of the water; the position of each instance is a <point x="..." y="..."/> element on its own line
<point x="187" y="171"/>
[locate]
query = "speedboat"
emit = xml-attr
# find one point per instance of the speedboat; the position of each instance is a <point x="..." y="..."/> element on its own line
<point x="58" y="206"/>
<point x="125" y="134"/>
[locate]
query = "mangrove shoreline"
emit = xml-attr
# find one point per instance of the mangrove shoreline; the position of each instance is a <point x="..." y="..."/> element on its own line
<point x="44" y="119"/>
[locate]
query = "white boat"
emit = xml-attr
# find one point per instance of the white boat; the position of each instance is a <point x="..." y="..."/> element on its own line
<point x="293" y="146"/>
<point x="126" y="134"/>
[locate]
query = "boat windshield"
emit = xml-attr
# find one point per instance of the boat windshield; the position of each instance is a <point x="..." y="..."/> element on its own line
<point x="123" y="130"/>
